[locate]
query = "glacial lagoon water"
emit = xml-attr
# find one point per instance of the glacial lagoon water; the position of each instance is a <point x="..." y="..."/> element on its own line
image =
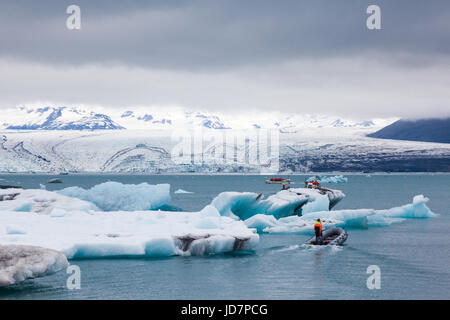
<point x="413" y="256"/>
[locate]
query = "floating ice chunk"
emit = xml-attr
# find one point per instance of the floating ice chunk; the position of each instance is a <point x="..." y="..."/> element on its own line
<point x="329" y="179"/>
<point x="114" y="196"/>
<point x="347" y="218"/>
<point x="230" y="204"/>
<point x="293" y="201"/>
<point x="133" y="234"/>
<point x="18" y="263"/>
<point x="246" y="204"/>
<point x="41" y="201"/>
<point x="357" y="218"/>
<point x="416" y="209"/>
<point x="296" y="225"/>
<point x="316" y="200"/>
<point x="182" y="191"/>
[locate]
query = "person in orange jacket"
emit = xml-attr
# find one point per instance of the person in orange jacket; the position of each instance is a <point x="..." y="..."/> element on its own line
<point x="318" y="231"/>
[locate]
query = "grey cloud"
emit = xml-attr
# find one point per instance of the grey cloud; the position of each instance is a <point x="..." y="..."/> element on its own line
<point x="214" y="35"/>
<point x="348" y="87"/>
<point x="259" y="55"/>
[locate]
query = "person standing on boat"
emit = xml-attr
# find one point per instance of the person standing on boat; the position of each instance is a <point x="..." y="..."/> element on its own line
<point x="318" y="231"/>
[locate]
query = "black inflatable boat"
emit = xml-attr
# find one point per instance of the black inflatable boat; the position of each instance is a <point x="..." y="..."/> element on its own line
<point x="330" y="237"/>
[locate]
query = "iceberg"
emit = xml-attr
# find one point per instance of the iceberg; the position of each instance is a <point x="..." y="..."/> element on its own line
<point x="18" y="263"/>
<point x="356" y="219"/>
<point x="181" y="191"/>
<point x="93" y="234"/>
<point x="40" y="201"/>
<point x="328" y="179"/>
<point x="116" y="196"/>
<point x="293" y="201"/>
<point x="416" y="209"/>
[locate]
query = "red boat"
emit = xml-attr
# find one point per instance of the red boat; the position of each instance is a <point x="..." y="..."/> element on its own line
<point x="278" y="181"/>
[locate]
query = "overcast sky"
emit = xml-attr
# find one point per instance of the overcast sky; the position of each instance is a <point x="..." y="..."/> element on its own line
<point x="297" y="56"/>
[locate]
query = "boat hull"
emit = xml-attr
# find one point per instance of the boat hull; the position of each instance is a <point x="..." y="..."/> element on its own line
<point x="331" y="237"/>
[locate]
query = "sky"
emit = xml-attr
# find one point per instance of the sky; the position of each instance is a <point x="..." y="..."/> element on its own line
<point x="230" y="56"/>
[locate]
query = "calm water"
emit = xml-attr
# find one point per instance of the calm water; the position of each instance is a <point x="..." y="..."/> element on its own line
<point x="414" y="256"/>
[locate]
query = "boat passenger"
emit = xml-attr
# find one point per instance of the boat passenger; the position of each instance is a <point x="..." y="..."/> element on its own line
<point x="318" y="231"/>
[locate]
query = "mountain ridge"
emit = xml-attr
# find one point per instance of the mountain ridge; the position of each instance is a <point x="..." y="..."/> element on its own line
<point x="72" y="118"/>
<point x="425" y="130"/>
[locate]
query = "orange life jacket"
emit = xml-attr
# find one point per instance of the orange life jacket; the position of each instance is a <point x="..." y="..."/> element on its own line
<point x="318" y="224"/>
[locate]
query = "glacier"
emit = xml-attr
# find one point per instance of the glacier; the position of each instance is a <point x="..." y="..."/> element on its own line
<point x="127" y="197"/>
<point x="147" y="148"/>
<point x="19" y="262"/>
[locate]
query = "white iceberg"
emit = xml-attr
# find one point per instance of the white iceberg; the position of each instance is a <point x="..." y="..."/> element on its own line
<point x="115" y="196"/>
<point x="358" y="218"/>
<point x="18" y="263"/>
<point x="182" y="191"/>
<point x="40" y="201"/>
<point x="81" y="234"/>
<point x="293" y="201"/>
<point x="329" y="179"/>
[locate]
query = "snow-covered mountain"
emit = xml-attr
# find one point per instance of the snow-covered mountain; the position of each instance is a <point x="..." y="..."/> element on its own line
<point x="78" y="118"/>
<point x="54" y="139"/>
<point x="56" y="118"/>
<point x="165" y="118"/>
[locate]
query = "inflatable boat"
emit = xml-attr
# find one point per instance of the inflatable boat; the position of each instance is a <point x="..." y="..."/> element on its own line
<point x="331" y="237"/>
<point x="278" y="181"/>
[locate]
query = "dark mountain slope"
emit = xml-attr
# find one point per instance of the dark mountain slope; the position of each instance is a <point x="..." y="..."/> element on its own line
<point x="428" y="130"/>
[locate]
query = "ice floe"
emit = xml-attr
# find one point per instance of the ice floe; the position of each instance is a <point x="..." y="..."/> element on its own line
<point x="80" y="234"/>
<point x="114" y="196"/>
<point x="114" y="219"/>
<point x="18" y="263"/>
<point x="328" y="179"/>
<point x="40" y="201"/>
<point x="293" y="201"/>
<point x="357" y="218"/>
<point x="182" y="191"/>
